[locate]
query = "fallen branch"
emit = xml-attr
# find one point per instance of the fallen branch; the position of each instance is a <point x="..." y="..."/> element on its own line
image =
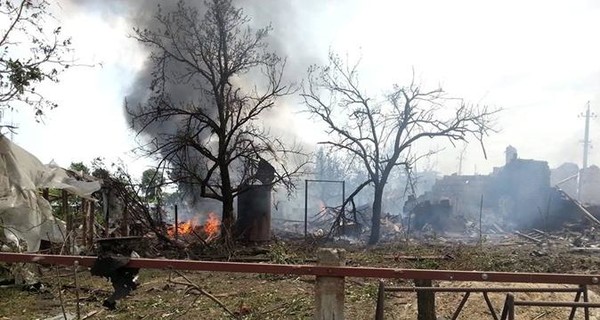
<point x="193" y="286"/>
<point x="530" y="238"/>
<point x="91" y="314"/>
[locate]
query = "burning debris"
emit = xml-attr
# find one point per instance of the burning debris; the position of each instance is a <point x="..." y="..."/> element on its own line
<point x="209" y="230"/>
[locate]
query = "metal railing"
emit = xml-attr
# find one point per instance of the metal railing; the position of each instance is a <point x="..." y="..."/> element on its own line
<point x="508" y="311"/>
<point x="579" y="291"/>
<point x="582" y="280"/>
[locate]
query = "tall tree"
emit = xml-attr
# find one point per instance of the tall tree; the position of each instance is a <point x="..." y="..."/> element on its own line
<point x="212" y="79"/>
<point x="32" y="51"/>
<point x="379" y="134"/>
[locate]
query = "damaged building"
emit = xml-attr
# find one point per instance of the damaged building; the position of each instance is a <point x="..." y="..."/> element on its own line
<point x="520" y="194"/>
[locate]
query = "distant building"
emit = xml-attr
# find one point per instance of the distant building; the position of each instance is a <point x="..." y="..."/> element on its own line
<point x="519" y="194"/>
<point x="511" y="154"/>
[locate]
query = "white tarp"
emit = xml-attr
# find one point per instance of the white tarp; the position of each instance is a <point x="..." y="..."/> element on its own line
<point x="24" y="214"/>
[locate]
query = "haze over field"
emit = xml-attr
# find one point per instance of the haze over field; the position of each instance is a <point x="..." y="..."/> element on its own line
<point x="537" y="60"/>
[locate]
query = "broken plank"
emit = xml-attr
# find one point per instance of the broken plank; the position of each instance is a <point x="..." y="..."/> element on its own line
<point x="528" y="237"/>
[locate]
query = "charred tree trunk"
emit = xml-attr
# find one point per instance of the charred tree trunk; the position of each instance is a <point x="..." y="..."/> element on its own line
<point x="228" y="219"/>
<point x="376" y="219"/>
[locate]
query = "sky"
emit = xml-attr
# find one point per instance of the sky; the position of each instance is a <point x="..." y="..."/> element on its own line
<point x="537" y="60"/>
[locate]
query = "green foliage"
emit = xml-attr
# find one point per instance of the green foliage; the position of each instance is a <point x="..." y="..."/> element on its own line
<point x="430" y="264"/>
<point x="32" y="51"/>
<point x="151" y="185"/>
<point x="79" y="167"/>
<point x="278" y="253"/>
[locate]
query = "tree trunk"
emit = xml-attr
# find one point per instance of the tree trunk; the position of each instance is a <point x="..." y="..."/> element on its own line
<point x="228" y="218"/>
<point x="376" y="219"/>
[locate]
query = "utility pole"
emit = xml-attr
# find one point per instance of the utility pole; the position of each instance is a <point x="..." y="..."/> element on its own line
<point x="586" y="145"/>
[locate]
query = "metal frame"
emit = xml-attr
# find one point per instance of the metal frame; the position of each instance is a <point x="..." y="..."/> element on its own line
<point x="508" y="311"/>
<point x="581" y="289"/>
<point x="306" y="181"/>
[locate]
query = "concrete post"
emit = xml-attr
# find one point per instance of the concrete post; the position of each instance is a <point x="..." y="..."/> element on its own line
<point x="329" y="291"/>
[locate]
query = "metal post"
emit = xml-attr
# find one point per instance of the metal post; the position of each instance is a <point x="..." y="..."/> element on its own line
<point x="480" y="218"/>
<point x="342" y="211"/>
<point x="106" y="207"/>
<point x="84" y="225"/>
<point x="577" y="297"/>
<point x="586" y="310"/>
<point x="176" y="223"/>
<point x="91" y="215"/>
<point x="425" y="301"/>
<point x="69" y="218"/>
<point x="305" y="209"/>
<point x="461" y="305"/>
<point x="490" y="306"/>
<point x="380" y="298"/>
<point x="510" y="302"/>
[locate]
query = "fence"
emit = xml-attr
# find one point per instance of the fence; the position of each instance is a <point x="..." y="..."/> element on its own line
<point x="330" y="270"/>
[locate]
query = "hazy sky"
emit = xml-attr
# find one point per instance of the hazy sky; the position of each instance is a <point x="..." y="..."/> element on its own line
<point x="538" y="60"/>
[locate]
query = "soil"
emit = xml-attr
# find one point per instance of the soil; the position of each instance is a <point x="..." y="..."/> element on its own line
<point x="260" y="296"/>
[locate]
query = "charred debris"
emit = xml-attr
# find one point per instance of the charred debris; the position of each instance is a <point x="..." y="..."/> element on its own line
<point x="522" y="199"/>
<point x="521" y="195"/>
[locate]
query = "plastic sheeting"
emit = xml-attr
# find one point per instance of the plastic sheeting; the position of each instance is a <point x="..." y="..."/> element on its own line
<point x="24" y="214"/>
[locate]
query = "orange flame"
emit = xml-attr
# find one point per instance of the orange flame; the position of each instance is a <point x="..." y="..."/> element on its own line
<point x="322" y="207"/>
<point x="184" y="227"/>
<point x="212" y="225"/>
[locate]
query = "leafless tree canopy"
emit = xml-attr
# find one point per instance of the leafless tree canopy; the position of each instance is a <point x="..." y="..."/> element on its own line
<point x="379" y="133"/>
<point x="30" y="53"/>
<point x="211" y="79"/>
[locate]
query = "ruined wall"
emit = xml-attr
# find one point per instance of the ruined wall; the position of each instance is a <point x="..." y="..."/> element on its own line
<point x="565" y="177"/>
<point x="463" y="192"/>
<point x="520" y="190"/>
<point x="590" y="185"/>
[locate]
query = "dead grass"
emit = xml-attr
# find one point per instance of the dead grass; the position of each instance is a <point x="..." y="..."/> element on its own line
<point x="285" y="297"/>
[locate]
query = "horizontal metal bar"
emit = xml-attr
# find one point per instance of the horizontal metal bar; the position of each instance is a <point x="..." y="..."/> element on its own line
<point x="332" y="271"/>
<point x="556" y="304"/>
<point x="321" y="180"/>
<point x="479" y="289"/>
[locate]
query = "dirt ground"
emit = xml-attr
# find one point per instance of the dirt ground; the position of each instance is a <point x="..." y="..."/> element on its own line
<point x="162" y="296"/>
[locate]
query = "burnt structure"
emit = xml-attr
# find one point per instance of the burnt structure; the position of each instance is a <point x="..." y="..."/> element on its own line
<point x="590" y="184"/>
<point x="254" y="214"/>
<point x="517" y="195"/>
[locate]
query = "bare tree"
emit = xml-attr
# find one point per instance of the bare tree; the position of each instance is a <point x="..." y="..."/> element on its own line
<point x="212" y="78"/>
<point x="32" y="51"/>
<point x="379" y="134"/>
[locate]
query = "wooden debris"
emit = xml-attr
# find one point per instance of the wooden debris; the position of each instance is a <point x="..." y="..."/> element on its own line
<point x="528" y="237"/>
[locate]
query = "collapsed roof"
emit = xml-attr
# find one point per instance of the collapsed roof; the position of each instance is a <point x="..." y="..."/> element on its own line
<point x="24" y="214"/>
